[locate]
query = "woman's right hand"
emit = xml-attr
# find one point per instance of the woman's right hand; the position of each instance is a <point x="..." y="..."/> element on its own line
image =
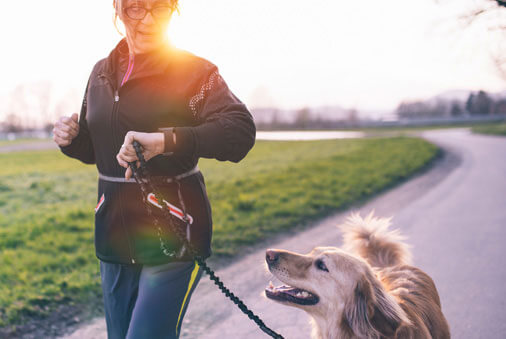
<point x="66" y="129"/>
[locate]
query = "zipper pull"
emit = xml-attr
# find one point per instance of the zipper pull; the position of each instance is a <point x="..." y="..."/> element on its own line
<point x="116" y="96"/>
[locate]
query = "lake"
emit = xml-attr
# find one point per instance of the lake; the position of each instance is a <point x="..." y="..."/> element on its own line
<point x="307" y="135"/>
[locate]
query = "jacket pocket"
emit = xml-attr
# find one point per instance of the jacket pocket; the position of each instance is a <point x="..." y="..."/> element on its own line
<point x="101" y="201"/>
<point x="111" y="239"/>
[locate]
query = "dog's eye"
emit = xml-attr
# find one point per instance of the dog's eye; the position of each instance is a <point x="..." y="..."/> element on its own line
<point x="321" y="265"/>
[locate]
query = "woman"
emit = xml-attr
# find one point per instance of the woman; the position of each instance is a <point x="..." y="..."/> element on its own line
<point x="178" y="107"/>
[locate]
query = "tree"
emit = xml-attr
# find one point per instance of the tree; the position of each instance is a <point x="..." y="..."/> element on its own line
<point x="469" y="102"/>
<point x="483" y="102"/>
<point x="68" y="104"/>
<point x="32" y="104"/>
<point x="493" y="13"/>
<point x="275" y="118"/>
<point x="456" y="109"/>
<point x="480" y="103"/>
<point x="352" y="116"/>
<point x="499" y="107"/>
<point x="303" y="118"/>
<point x="499" y="55"/>
<point x="18" y="118"/>
<point x="12" y="123"/>
<point x="41" y="95"/>
<point x="420" y="109"/>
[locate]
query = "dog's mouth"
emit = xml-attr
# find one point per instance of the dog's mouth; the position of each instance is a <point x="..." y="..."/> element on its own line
<point x="291" y="294"/>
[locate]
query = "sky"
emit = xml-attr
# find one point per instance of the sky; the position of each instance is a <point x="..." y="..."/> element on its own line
<point x="368" y="55"/>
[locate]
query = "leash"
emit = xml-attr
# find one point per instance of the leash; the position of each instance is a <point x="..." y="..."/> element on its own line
<point x="147" y="186"/>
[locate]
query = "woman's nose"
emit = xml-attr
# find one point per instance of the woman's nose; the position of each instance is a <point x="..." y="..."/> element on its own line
<point x="148" y="19"/>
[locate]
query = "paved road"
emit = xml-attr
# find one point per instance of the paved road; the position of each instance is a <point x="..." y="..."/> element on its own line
<point x="454" y="216"/>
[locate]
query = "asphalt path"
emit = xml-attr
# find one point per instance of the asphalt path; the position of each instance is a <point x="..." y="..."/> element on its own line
<point x="454" y="216"/>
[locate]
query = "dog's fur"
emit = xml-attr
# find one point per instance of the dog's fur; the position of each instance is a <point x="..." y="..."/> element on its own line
<point x="368" y="290"/>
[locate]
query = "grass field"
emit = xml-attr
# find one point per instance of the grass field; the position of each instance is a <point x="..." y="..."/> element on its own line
<point x="496" y="129"/>
<point x="47" y="200"/>
<point x="23" y="141"/>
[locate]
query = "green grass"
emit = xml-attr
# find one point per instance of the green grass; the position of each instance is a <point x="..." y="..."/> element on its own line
<point x="47" y="200"/>
<point x="495" y="129"/>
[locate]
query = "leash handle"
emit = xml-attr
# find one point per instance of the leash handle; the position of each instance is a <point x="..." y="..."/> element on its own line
<point x="138" y="150"/>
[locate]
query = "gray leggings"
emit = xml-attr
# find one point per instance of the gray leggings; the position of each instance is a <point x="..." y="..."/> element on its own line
<point x="147" y="301"/>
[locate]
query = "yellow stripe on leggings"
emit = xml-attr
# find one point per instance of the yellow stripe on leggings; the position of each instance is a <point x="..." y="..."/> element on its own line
<point x="192" y="280"/>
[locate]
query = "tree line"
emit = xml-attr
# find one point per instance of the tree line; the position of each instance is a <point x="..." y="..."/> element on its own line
<point x="477" y="104"/>
<point x="36" y="106"/>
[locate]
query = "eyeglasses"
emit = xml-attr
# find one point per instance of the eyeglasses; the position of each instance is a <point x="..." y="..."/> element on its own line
<point x="158" y="12"/>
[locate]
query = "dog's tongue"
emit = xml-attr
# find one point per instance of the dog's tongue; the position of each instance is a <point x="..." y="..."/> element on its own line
<point x="282" y="288"/>
<point x="297" y="292"/>
<point x="293" y="291"/>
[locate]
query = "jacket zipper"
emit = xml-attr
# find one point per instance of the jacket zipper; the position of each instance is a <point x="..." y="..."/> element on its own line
<point x="114" y="112"/>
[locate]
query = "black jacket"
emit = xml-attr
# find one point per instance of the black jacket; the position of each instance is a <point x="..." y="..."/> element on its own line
<point x="169" y="88"/>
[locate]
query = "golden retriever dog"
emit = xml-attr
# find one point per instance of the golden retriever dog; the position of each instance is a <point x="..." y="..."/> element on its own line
<point x="367" y="289"/>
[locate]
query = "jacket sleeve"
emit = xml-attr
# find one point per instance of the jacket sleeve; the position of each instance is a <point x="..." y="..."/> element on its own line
<point x="226" y="130"/>
<point x="81" y="147"/>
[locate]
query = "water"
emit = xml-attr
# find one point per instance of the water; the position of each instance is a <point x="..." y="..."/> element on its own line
<point x="307" y="135"/>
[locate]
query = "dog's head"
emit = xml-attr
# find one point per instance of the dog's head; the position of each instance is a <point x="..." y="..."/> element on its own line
<point x="336" y="288"/>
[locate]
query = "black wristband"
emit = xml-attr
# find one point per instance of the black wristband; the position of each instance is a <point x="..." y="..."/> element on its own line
<point x="168" y="141"/>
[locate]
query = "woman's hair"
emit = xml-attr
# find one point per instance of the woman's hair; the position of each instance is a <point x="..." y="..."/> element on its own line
<point x="119" y="8"/>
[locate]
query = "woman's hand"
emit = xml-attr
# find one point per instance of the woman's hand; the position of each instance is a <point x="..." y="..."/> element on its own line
<point x="66" y="129"/>
<point x="152" y="145"/>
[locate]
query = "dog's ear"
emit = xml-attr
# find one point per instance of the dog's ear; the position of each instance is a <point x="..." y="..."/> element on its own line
<point x="372" y="311"/>
<point x="388" y="314"/>
<point x="358" y="310"/>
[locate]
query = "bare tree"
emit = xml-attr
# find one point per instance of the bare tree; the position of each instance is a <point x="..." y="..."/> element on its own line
<point x="485" y="9"/>
<point x="12" y="123"/>
<point x="41" y="94"/>
<point x="493" y="13"/>
<point x="499" y="23"/>
<point x="31" y="103"/>
<point x="18" y="118"/>
<point x="352" y="116"/>
<point x="303" y="118"/>
<point x="64" y="107"/>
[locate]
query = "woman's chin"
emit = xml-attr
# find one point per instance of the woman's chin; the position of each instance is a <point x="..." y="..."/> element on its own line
<point x="147" y="45"/>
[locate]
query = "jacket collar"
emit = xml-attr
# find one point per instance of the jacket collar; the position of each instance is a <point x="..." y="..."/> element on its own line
<point x="145" y="64"/>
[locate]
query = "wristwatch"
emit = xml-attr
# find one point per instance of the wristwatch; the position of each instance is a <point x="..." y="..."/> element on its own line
<point x="169" y="140"/>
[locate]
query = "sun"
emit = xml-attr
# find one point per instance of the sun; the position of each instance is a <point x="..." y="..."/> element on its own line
<point x="176" y="33"/>
<point x="185" y="30"/>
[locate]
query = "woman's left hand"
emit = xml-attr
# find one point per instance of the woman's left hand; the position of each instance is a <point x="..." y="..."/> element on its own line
<point x="152" y="145"/>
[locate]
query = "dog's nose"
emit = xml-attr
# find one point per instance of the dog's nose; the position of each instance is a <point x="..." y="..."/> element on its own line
<point x="271" y="256"/>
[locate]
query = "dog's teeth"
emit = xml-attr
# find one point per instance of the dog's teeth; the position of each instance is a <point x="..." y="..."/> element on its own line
<point x="305" y="294"/>
<point x="298" y="294"/>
